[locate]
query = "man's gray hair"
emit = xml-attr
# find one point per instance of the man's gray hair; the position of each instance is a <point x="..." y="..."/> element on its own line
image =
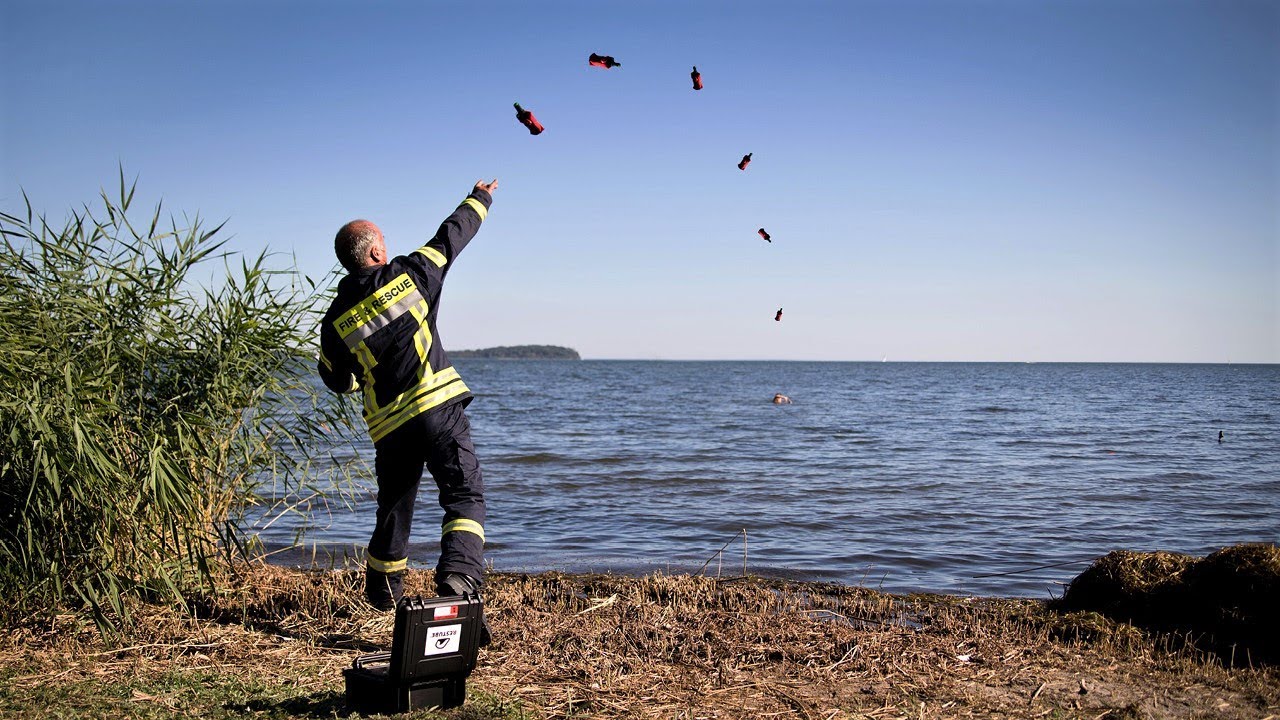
<point x="353" y="242"/>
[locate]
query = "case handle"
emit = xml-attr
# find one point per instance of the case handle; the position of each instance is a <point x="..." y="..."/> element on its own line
<point x="380" y="657"/>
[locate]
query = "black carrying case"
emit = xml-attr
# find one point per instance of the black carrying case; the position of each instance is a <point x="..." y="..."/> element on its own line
<point x="433" y="650"/>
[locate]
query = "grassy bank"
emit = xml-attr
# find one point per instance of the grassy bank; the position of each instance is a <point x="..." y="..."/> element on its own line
<point x="274" y="643"/>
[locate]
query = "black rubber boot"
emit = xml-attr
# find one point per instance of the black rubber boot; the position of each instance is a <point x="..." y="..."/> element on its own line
<point x="451" y="584"/>
<point x="383" y="590"/>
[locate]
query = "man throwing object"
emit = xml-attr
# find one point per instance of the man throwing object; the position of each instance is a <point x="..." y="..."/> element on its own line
<point x="380" y="337"/>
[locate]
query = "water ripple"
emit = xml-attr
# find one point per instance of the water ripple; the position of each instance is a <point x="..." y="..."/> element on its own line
<point x="905" y="476"/>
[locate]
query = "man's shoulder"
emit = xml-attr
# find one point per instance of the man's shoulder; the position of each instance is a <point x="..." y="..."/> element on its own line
<point x="415" y="264"/>
<point x="350" y="290"/>
<point x="363" y="282"/>
<point x="357" y="286"/>
<point x="399" y="264"/>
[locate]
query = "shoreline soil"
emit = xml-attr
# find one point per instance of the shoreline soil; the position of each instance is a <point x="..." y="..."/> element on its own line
<point x="615" y="646"/>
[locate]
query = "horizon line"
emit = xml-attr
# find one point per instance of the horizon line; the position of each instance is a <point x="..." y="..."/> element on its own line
<point x="1227" y="363"/>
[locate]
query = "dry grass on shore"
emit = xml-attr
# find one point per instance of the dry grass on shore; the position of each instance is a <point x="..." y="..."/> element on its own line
<point x="620" y="647"/>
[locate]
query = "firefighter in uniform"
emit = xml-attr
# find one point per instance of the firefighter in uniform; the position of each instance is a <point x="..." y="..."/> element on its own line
<point x="379" y="336"/>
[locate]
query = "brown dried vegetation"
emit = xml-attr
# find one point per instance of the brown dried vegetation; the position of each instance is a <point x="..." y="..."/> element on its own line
<point x="672" y="646"/>
<point x="1226" y="603"/>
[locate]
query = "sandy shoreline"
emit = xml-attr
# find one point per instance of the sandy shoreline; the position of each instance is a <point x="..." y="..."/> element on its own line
<point x="654" y="646"/>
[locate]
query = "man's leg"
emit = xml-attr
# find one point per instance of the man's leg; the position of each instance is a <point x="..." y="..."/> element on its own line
<point x="399" y="467"/>
<point x="452" y="461"/>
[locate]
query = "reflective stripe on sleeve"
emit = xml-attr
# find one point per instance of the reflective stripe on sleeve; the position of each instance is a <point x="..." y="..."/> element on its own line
<point x="385" y="566"/>
<point x="433" y="255"/>
<point x="464" y="525"/>
<point x="476" y="205"/>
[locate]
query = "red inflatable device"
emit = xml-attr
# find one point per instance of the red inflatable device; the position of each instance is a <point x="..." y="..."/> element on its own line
<point x="697" y="78"/>
<point x="778" y="317"/>
<point x="765" y="235"/>
<point x="527" y="119"/>
<point x="746" y="160"/>
<point x="603" y="61"/>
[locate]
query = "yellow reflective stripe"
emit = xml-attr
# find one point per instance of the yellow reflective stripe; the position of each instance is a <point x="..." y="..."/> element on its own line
<point x="354" y="385"/>
<point x="367" y="362"/>
<point x="476" y="205"/>
<point x="428" y="384"/>
<point x="464" y="525"/>
<point x="433" y="255"/>
<point x="385" y="566"/>
<point x="435" y="399"/>
<point x="422" y="338"/>
<point x="370" y="309"/>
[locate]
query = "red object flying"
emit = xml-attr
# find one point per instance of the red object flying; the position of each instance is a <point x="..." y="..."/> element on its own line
<point x="527" y="119"/>
<point x="746" y="160"/>
<point x="697" y="78"/>
<point x="778" y="317"/>
<point x="765" y="235"/>
<point x="603" y="61"/>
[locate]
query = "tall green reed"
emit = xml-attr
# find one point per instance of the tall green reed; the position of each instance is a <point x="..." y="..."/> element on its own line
<point x="153" y="387"/>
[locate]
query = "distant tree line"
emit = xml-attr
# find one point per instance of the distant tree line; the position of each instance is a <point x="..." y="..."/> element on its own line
<point x="520" y="352"/>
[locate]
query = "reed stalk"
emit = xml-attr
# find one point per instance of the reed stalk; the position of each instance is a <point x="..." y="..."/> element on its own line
<point x="143" y="411"/>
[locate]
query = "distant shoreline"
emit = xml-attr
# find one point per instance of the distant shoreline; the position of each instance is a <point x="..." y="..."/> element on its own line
<point x="520" y="352"/>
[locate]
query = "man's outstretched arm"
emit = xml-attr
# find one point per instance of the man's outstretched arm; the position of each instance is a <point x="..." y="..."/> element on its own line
<point x="458" y="229"/>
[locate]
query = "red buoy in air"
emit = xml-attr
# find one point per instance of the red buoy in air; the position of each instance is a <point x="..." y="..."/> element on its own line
<point x="765" y="235"/>
<point x="778" y="317"/>
<point x="697" y="78"/>
<point x="527" y="119"/>
<point x="603" y="61"/>
<point x="746" y="160"/>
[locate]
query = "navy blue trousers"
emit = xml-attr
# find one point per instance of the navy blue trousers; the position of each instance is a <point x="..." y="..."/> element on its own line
<point x="440" y="440"/>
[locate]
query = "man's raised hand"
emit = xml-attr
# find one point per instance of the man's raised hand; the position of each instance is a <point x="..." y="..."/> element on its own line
<point x="489" y="188"/>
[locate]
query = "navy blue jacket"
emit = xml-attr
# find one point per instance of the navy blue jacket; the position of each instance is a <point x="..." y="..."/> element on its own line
<point x="379" y="334"/>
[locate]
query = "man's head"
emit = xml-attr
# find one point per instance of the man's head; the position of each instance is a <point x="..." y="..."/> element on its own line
<point x="359" y="244"/>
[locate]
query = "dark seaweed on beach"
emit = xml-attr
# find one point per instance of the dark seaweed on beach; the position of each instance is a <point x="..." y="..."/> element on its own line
<point x="1227" y="601"/>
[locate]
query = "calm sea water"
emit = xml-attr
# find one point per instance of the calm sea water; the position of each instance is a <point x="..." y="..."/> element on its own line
<point x="906" y="476"/>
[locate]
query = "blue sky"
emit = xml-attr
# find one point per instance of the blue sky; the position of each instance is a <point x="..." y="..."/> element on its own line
<point x="1040" y="180"/>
